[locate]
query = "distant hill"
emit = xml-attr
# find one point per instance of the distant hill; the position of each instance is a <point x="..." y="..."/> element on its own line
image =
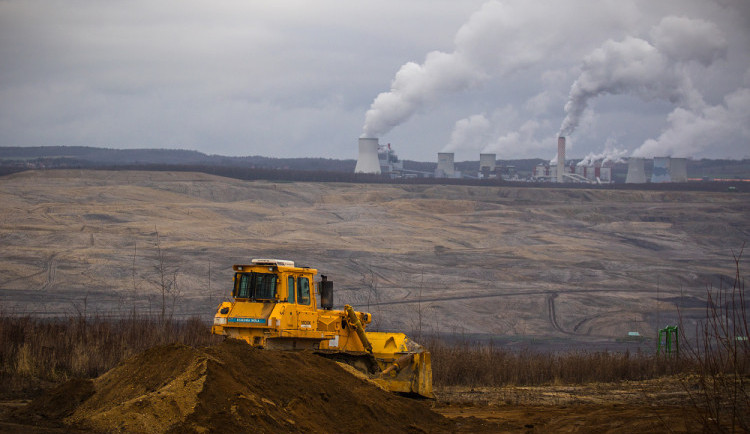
<point x="104" y="155"/>
<point x="84" y="155"/>
<point x="16" y="158"/>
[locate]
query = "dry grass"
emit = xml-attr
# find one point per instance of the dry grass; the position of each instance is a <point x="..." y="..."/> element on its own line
<point x="482" y="364"/>
<point x="35" y="352"/>
<point x="721" y="353"/>
<point x="56" y="350"/>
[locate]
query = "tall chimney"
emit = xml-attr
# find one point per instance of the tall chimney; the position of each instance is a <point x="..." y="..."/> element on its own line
<point x="560" y="158"/>
<point x="368" y="156"/>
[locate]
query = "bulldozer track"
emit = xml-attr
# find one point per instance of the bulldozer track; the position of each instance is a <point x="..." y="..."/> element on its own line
<point x="22" y="278"/>
<point x="382" y="278"/>
<point x="50" y="266"/>
<point x="552" y="313"/>
<point x="580" y="323"/>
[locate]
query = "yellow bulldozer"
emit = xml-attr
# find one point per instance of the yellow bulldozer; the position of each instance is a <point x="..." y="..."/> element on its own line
<point x="276" y="307"/>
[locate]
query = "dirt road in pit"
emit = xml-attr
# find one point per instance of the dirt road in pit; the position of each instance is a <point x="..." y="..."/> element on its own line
<point x="653" y="406"/>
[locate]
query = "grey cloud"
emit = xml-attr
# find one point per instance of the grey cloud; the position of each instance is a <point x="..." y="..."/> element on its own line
<point x="297" y="78"/>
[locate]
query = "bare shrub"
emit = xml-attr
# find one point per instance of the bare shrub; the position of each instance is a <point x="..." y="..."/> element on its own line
<point x="721" y="354"/>
<point x="470" y="363"/>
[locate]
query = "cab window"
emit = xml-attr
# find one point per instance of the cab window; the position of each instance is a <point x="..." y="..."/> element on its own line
<point x="303" y="290"/>
<point x="257" y="286"/>
<point x="290" y="288"/>
<point x="265" y="286"/>
<point x="242" y="288"/>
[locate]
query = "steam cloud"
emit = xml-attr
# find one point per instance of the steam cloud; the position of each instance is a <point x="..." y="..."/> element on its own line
<point x="649" y="70"/>
<point x="471" y="132"/>
<point x="690" y="131"/>
<point x="502" y="38"/>
<point x="477" y="57"/>
<point x="610" y="154"/>
<point x="415" y="85"/>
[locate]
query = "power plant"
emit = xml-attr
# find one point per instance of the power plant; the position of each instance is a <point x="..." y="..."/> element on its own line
<point x="382" y="160"/>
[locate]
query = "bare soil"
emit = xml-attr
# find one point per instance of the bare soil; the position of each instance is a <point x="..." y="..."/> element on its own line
<point x="232" y="387"/>
<point x="540" y="266"/>
<point x="655" y="406"/>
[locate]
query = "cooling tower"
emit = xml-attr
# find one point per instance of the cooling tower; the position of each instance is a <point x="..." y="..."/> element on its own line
<point x="636" y="173"/>
<point x="486" y="165"/>
<point x="368" y="162"/>
<point x="661" y="170"/>
<point x="678" y="169"/>
<point x="487" y="160"/>
<point x="560" y="158"/>
<point x="445" y="164"/>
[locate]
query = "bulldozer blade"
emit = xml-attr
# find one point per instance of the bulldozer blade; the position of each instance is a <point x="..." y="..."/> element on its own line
<point x="415" y="377"/>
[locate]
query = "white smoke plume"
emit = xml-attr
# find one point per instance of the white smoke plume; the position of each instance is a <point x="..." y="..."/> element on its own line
<point x="469" y="133"/>
<point x="525" y="137"/>
<point x="416" y="85"/>
<point x="610" y="154"/>
<point x="648" y="70"/>
<point x="497" y="40"/>
<point x="691" y="131"/>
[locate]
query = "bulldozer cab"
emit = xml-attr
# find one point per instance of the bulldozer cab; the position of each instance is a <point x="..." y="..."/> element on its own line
<point x="269" y="294"/>
<point x="274" y="280"/>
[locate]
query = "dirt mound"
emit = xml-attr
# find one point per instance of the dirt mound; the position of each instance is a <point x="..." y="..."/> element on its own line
<point x="61" y="401"/>
<point x="232" y="387"/>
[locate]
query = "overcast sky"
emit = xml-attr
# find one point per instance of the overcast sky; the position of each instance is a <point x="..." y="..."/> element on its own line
<point x="306" y="79"/>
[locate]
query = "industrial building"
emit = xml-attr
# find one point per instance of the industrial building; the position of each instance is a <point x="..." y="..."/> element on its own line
<point x="389" y="162"/>
<point x="595" y="173"/>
